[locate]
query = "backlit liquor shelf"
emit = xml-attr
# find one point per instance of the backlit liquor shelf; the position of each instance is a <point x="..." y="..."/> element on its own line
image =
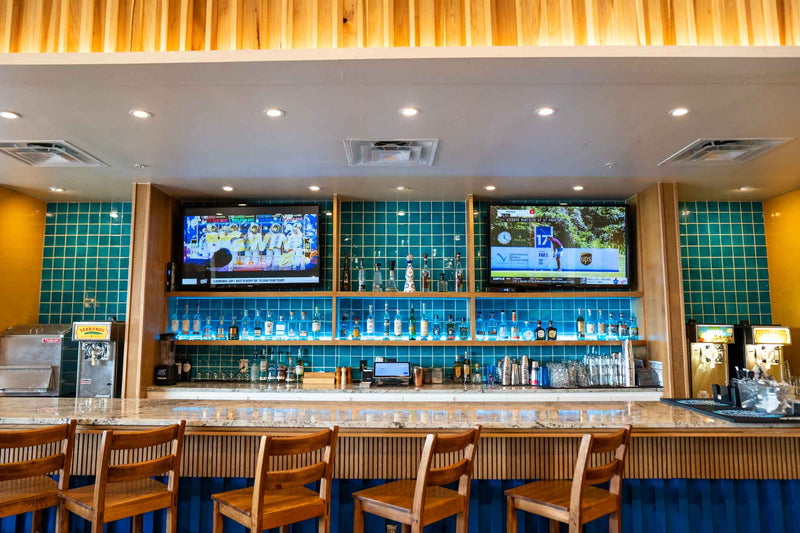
<point x="418" y="294"/>
<point x="380" y="342"/>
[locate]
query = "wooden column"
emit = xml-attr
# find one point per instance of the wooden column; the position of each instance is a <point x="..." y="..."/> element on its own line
<point x="661" y="280"/>
<point x="151" y="244"/>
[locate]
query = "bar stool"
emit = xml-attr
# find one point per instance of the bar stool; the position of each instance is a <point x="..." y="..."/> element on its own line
<point x="279" y="497"/>
<point x="577" y="502"/>
<point x="24" y="485"/>
<point x="417" y="503"/>
<point x="126" y="490"/>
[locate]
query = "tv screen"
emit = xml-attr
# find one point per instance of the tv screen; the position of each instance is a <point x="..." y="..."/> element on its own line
<point x="251" y="247"/>
<point x="558" y="245"/>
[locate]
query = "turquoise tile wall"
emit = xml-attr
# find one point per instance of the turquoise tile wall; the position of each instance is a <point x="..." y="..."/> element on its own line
<point x="84" y="267"/>
<point x="724" y="261"/>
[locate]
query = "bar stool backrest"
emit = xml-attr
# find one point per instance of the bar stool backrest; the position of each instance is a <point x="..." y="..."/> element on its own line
<point x="26" y="438"/>
<point x="112" y="441"/>
<point x="460" y="471"/>
<point x="612" y="471"/>
<point x="321" y="471"/>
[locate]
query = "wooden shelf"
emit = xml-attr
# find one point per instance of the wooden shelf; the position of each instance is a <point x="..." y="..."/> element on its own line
<point x="563" y="294"/>
<point x="431" y="295"/>
<point x="423" y="295"/>
<point x="328" y="342"/>
<point x="559" y="342"/>
<point x="250" y="294"/>
<point x="338" y="342"/>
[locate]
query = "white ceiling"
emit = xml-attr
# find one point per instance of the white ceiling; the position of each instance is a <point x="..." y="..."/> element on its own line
<point x="208" y="128"/>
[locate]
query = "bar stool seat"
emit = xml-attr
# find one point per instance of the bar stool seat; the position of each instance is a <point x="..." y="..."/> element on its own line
<point x="398" y="496"/>
<point x="551" y="499"/>
<point x="298" y="502"/>
<point x="146" y="494"/>
<point x="30" y="493"/>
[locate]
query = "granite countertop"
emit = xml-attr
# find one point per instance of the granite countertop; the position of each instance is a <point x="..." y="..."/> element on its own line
<point x="376" y="415"/>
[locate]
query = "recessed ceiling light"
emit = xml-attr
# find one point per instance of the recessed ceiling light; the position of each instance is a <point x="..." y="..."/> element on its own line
<point x="679" y="112"/>
<point x="114" y="214"/>
<point x="314" y="188"/>
<point x="56" y="189"/>
<point x="140" y="113"/>
<point x="409" y="111"/>
<point x="10" y="115"/>
<point x="227" y="188"/>
<point x="546" y="111"/>
<point x="577" y="188"/>
<point x="274" y="112"/>
<point x="401" y="213"/>
<point x="745" y="188"/>
<point x="139" y="166"/>
<point x="489" y="187"/>
<point x="401" y="188"/>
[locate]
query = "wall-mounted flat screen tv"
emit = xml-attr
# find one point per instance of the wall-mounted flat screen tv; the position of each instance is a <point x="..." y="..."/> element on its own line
<point x="264" y="247"/>
<point x="559" y="245"/>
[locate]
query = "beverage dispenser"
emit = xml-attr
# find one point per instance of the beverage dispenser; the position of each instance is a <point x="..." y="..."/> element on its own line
<point x="761" y="347"/>
<point x="708" y="355"/>
<point x="100" y="346"/>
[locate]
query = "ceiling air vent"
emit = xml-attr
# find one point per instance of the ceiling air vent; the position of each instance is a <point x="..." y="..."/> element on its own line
<point x="396" y="152"/>
<point x="722" y="151"/>
<point x="49" y="154"/>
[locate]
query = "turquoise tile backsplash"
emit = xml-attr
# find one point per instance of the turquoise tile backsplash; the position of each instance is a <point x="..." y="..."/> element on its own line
<point x="724" y="261"/>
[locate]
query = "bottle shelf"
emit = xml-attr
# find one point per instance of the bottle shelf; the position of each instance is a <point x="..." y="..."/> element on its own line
<point x="400" y="294"/>
<point x="271" y="342"/>
<point x="559" y="342"/>
<point x="562" y="294"/>
<point x="429" y="295"/>
<point x="374" y="342"/>
<point x="250" y="294"/>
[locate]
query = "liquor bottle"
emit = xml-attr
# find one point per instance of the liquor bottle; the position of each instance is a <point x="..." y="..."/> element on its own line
<point x="613" y="327"/>
<point x="186" y="322"/>
<point x="233" y="331"/>
<point x="302" y="327"/>
<point x="480" y="331"/>
<point x="412" y="325"/>
<point x="187" y="369"/>
<point x="466" y="367"/>
<point x="458" y="278"/>
<point x="290" y="376"/>
<point x="502" y="327"/>
<point x="377" y="279"/>
<point x="208" y="331"/>
<point x="245" y="330"/>
<point x="262" y="365"/>
<point x="552" y="332"/>
<point x="633" y="331"/>
<point x="463" y="330"/>
<point x="540" y="334"/>
<point x="346" y="273"/>
<point x="409" y="285"/>
<point x="178" y="367"/>
<point x="602" y="327"/>
<point x="356" y="330"/>
<point x="622" y="327"/>
<point x="591" y="331"/>
<point x="299" y="367"/>
<point x="387" y="323"/>
<point x="344" y="329"/>
<point x="391" y="284"/>
<point x="221" y="329"/>
<point x="514" y="330"/>
<point x="458" y="370"/>
<point x="197" y="321"/>
<point x="280" y="328"/>
<point x="175" y="322"/>
<point x="258" y="325"/>
<point x="423" y="324"/>
<point x="370" y="330"/>
<point x="442" y="283"/>
<point x="580" y="325"/>
<point x="362" y="277"/>
<point x="437" y="328"/>
<point x="398" y="324"/>
<point x="316" y="324"/>
<point x="491" y="328"/>
<point x="425" y="282"/>
<point x="269" y="326"/>
<point x="450" y="328"/>
<point x="527" y="332"/>
<point x="291" y="326"/>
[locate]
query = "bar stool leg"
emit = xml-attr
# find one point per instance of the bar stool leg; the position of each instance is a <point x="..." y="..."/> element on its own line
<point x="555" y="526"/>
<point x="62" y="520"/>
<point x="217" y="521"/>
<point x="511" y="516"/>
<point x="172" y="519"/>
<point x="36" y="522"/>
<point x="461" y="522"/>
<point x="136" y="524"/>
<point x="614" y="522"/>
<point x="358" y="517"/>
<point x="324" y="524"/>
<point x="405" y="528"/>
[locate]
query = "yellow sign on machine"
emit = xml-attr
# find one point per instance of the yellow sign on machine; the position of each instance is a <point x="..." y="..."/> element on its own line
<point x="88" y="331"/>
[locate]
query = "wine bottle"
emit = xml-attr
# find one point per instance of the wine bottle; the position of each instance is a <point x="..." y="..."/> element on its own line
<point x="346" y="273"/>
<point x="425" y="283"/>
<point x="580" y="325"/>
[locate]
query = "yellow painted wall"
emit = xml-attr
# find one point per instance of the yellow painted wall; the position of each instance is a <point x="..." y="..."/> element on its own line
<point x="21" y="246"/>
<point x="781" y="223"/>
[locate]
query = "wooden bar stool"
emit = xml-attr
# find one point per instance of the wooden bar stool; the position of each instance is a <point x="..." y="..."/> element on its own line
<point x="417" y="503"/>
<point x="578" y="501"/>
<point x="24" y="485"/>
<point x="279" y="497"/>
<point x="127" y="490"/>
